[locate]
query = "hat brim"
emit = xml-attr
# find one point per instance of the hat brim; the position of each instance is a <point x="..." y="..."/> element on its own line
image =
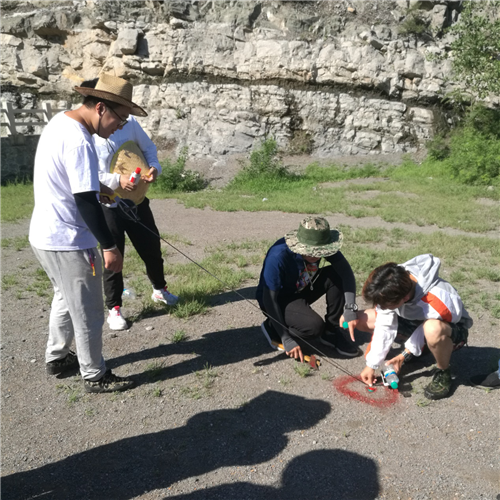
<point x="108" y="96"/>
<point x="297" y="247"/>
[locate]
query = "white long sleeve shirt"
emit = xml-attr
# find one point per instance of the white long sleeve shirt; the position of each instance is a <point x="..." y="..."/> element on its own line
<point x="132" y="131"/>
<point x="434" y="298"/>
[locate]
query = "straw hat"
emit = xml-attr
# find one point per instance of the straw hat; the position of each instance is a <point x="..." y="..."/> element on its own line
<point x="314" y="238"/>
<point x="127" y="158"/>
<point x="114" y="89"/>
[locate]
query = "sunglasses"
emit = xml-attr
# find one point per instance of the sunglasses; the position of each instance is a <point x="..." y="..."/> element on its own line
<point x="123" y="121"/>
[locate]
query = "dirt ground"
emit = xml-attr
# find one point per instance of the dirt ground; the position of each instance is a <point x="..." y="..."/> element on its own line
<point x="221" y="415"/>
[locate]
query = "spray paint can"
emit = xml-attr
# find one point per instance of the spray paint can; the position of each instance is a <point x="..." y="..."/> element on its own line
<point x="134" y="178"/>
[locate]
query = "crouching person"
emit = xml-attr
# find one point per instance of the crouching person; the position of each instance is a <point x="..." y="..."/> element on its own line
<point x="298" y="270"/>
<point x="411" y="299"/>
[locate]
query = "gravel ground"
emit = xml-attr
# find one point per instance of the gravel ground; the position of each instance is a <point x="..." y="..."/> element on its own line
<point x="220" y="415"/>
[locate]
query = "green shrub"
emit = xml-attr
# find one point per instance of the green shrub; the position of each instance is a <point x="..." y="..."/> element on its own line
<point x="475" y="157"/>
<point x="414" y="23"/>
<point x="438" y="148"/>
<point x="484" y="120"/>
<point x="265" y="160"/>
<point x="471" y="152"/>
<point x="175" y="177"/>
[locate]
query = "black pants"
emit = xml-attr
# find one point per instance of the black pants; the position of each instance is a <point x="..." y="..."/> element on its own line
<point x="147" y="245"/>
<point x="301" y="319"/>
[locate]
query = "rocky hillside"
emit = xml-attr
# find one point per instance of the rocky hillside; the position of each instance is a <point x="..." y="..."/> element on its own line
<point x="334" y="77"/>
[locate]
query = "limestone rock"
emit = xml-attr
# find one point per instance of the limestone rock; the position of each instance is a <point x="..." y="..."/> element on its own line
<point x="220" y="76"/>
<point x="126" y="43"/>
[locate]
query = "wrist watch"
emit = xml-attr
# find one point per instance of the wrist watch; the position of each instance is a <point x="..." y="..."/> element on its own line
<point x="407" y="355"/>
<point x="351" y="307"/>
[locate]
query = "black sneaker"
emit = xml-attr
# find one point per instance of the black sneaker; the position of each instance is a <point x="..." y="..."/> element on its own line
<point x="270" y="334"/>
<point x="440" y="386"/>
<point x="108" y="383"/>
<point x="69" y="362"/>
<point x="490" y="381"/>
<point x="338" y="341"/>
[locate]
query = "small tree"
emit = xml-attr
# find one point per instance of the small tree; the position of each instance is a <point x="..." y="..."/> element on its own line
<point x="476" y="49"/>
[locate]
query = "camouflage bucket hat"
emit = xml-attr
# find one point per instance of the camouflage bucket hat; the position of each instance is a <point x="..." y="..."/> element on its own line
<point x="314" y="238"/>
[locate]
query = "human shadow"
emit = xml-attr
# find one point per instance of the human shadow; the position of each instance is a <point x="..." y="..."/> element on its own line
<point x="467" y="361"/>
<point x="217" y="348"/>
<point x="230" y="296"/>
<point x="318" y="475"/>
<point x="210" y="440"/>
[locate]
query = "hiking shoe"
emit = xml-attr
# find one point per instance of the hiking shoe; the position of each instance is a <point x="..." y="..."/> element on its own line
<point x="440" y="386"/>
<point x="108" y="383"/>
<point x="338" y="341"/>
<point x="58" y="366"/>
<point x="164" y="296"/>
<point x="491" y="381"/>
<point x="115" y="319"/>
<point x="270" y="334"/>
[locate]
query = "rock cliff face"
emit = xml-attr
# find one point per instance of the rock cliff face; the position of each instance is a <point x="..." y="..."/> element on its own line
<point x="322" y="77"/>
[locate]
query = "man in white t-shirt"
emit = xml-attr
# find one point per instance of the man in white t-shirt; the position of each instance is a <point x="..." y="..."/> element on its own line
<point x="67" y="224"/>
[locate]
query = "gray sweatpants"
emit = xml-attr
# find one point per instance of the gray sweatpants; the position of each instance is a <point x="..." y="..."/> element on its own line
<point x="77" y="308"/>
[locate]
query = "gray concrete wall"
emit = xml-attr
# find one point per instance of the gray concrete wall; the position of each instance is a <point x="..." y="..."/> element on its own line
<point x="18" y="157"/>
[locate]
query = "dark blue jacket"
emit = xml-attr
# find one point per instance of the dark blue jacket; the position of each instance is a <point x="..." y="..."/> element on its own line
<point x="278" y="279"/>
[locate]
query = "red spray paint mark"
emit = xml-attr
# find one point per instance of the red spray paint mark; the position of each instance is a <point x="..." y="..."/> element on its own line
<point x="383" y="399"/>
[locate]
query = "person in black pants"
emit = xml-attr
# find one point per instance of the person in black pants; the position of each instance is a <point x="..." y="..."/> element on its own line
<point x="146" y="242"/>
<point x="130" y="146"/>
<point x="298" y="270"/>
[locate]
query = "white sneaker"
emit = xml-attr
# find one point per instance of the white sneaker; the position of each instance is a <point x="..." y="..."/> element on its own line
<point x="115" y="319"/>
<point x="164" y="296"/>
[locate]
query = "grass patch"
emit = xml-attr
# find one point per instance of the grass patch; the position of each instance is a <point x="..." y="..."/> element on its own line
<point x="17" y="201"/>
<point x="207" y="376"/>
<point x="425" y="194"/>
<point x="204" y="381"/>
<point x="302" y="369"/>
<point x="74" y="395"/>
<point x="154" y="370"/>
<point x="191" y="392"/>
<point x="156" y="392"/>
<point x="409" y="193"/>
<point x="9" y="280"/>
<point x="18" y="243"/>
<point x="41" y="284"/>
<point x="193" y="285"/>
<point x="179" y="336"/>
<point x="422" y="403"/>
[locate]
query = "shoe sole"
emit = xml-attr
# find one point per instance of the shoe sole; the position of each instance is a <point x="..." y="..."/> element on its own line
<point x="435" y="397"/>
<point x="99" y="390"/>
<point x="116" y="329"/>
<point x="264" y="331"/>
<point x="164" y="301"/>
<point x="340" y="351"/>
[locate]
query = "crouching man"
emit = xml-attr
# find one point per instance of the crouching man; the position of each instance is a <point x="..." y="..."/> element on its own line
<point x="411" y="300"/>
